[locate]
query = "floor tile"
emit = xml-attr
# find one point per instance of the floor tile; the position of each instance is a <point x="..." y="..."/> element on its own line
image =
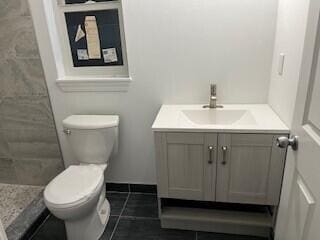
<point x="117" y="201"/>
<point x="141" y="205"/>
<point x="148" y="229"/>
<point x="52" y="229"/>
<point x="220" y="236"/>
<point x="109" y="229"/>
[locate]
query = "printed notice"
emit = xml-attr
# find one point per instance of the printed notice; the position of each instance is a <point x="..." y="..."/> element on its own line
<point x="92" y="34"/>
<point x="82" y="54"/>
<point x="80" y="34"/>
<point x="110" y="55"/>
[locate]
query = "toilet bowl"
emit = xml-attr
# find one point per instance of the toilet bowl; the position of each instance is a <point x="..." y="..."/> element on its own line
<point x="77" y="195"/>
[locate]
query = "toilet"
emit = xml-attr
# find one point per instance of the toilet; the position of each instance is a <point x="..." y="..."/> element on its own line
<point x="78" y="195"/>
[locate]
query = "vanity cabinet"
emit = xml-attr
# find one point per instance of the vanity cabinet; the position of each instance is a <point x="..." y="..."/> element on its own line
<point x="250" y="169"/>
<point x="186" y="164"/>
<point x="219" y="170"/>
<point x="229" y="168"/>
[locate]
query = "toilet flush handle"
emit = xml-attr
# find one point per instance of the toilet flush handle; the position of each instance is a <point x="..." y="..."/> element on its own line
<point x="67" y="131"/>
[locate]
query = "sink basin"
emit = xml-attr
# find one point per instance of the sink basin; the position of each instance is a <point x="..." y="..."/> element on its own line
<point x="232" y="118"/>
<point x="219" y="117"/>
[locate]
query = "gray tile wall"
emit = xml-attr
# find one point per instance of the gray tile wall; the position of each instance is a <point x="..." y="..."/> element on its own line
<point x="29" y="150"/>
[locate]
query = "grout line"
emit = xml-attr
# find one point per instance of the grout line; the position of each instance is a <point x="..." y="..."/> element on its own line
<point x="134" y="217"/>
<point x="116" y="192"/>
<point x="117" y="223"/>
<point x="141" y="193"/>
<point x="196" y="235"/>
<point x="137" y="193"/>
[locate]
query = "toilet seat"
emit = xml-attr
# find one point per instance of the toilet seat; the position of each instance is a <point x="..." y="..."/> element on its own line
<point x="74" y="186"/>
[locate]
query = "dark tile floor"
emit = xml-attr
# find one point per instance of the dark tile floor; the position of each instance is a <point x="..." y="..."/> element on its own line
<point x="133" y="217"/>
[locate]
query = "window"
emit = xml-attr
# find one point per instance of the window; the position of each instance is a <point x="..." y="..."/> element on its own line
<point x="89" y="60"/>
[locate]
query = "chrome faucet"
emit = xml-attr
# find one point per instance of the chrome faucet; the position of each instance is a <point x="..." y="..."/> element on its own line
<point x="213" y="97"/>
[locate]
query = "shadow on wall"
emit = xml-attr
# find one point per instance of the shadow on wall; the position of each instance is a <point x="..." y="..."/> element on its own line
<point x="29" y="149"/>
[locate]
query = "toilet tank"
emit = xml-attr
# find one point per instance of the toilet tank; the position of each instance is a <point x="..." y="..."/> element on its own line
<point x="92" y="138"/>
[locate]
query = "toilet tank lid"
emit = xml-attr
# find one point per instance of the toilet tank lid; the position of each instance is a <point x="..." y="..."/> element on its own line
<point x="91" y="121"/>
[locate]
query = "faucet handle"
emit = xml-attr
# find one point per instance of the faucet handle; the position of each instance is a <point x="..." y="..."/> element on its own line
<point x="213" y="88"/>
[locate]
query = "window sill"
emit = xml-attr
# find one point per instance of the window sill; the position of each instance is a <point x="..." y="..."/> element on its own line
<point x="94" y="84"/>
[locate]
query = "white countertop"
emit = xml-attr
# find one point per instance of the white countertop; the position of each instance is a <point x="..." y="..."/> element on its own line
<point x="253" y="118"/>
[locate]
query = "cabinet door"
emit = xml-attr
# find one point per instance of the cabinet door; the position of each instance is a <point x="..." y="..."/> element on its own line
<point x="187" y="167"/>
<point x="250" y="169"/>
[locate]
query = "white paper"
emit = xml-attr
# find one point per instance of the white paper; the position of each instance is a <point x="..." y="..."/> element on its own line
<point x="110" y="55"/>
<point x="83" y="54"/>
<point x="80" y="34"/>
<point x="93" y="40"/>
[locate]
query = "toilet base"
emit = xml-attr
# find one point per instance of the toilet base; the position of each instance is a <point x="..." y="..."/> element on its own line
<point x="92" y="226"/>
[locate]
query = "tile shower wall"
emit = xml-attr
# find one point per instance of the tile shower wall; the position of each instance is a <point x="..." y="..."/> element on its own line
<point x="29" y="149"/>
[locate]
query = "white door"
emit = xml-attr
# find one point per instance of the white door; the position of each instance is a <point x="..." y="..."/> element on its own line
<point x="299" y="212"/>
<point x="2" y="232"/>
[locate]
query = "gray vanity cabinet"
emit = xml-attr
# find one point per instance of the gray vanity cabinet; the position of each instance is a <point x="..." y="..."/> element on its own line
<point x="186" y="164"/>
<point x="235" y="168"/>
<point x="250" y="169"/>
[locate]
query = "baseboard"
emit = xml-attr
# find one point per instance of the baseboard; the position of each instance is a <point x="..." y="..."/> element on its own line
<point x="133" y="188"/>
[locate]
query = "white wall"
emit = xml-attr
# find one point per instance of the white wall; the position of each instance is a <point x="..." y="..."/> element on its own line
<point x="175" y="49"/>
<point x="291" y="27"/>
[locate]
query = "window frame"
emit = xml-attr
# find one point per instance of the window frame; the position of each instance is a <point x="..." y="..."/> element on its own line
<point x="88" y="78"/>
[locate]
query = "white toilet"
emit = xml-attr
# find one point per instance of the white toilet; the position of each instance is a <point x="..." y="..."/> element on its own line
<point x="77" y="195"/>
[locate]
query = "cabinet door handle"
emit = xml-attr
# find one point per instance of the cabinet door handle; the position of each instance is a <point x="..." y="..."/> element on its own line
<point x="211" y="149"/>
<point x="224" y="155"/>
